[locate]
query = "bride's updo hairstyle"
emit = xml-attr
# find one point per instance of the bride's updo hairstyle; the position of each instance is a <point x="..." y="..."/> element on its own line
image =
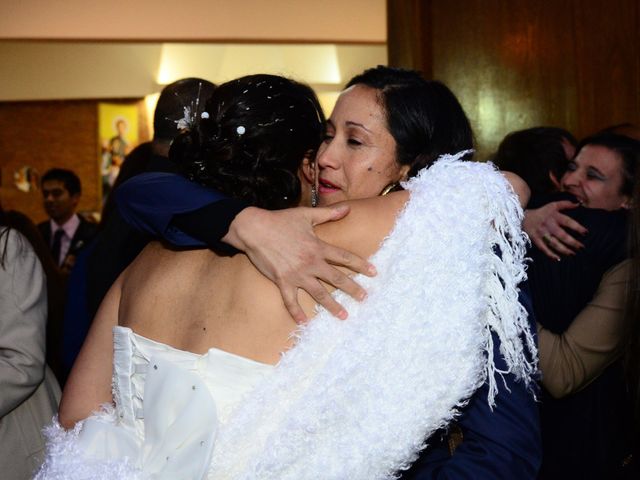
<point x="250" y="139"/>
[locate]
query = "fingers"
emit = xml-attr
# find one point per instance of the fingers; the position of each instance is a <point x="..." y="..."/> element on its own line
<point x="555" y="233"/>
<point x="293" y="307"/>
<point x="322" y="297"/>
<point x="327" y="214"/>
<point x="567" y="243"/>
<point x="343" y="282"/>
<point x="564" y="204"/>
<point x="570" y="223"/>
<point x="556" y="245"/>
<point x="344" y="258"/>
<point x="544" y="248"/>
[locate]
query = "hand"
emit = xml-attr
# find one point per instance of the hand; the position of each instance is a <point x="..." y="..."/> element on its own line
<point x="283" y="246"/>
<point x="547" y="227"/>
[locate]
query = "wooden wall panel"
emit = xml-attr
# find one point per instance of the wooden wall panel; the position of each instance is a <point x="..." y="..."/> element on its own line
<point x="517" y="64"/>
<point x="50" y="134"/>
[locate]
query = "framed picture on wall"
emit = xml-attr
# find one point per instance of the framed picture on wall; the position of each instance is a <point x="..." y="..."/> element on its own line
<point x="118" y="135"/>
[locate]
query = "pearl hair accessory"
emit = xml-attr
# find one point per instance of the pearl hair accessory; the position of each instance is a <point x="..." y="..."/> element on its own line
<point x="188" y="121"/>
<point x="240" y="130"/>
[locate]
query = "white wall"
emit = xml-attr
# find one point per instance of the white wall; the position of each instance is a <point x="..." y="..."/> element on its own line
<point x="39" y="70"/>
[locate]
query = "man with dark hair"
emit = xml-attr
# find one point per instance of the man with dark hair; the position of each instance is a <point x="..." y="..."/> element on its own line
<point x="65" y="232"/>
<point x="118" y="243"/>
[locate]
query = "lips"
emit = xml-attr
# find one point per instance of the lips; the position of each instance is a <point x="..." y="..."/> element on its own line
<point x="581" y="198"/>
<point x="325" y="186"/>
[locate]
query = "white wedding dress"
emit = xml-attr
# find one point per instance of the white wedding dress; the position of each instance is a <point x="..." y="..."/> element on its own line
<point x="336" y="405"/>
<point x="186" y="396"/>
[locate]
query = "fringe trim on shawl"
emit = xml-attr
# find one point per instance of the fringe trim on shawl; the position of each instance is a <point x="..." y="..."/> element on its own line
<point x="357" y="399"/>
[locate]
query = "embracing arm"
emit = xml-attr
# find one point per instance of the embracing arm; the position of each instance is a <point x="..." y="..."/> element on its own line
<point x="89" y="384"/>
<point x="150" y="202"/>
<point x="23" y="303"/>
<point x="281" y="244"/>
<point x="571" y="360"/>
<point x="547" y="228"/>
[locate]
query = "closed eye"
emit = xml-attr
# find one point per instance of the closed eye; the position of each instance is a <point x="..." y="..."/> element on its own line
<point x="596" y="175"/>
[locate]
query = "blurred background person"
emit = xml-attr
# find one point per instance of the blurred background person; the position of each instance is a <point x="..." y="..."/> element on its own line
<point x="579" y="304"/>
<point x="30" y="392"/>
<point x="65" y="232"/>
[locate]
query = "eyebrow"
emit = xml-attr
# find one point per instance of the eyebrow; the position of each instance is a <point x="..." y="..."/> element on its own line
<point x="356" y="124"/>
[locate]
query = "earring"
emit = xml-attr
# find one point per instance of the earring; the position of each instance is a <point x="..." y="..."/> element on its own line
<point x="314" y="188"/>
<point x="314" y="196"/>
<point x="389" y="188"/>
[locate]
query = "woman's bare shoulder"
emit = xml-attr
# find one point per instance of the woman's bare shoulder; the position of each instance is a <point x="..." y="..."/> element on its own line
<point x="369" y="221"/>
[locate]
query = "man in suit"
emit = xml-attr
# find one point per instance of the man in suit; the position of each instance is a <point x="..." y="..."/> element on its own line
<point x="65" y="232"/>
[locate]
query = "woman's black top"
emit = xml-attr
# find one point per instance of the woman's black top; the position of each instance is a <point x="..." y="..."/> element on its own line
<point x="584" y="435"/>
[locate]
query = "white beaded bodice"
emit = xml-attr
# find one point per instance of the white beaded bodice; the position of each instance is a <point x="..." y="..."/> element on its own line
<point x="169" y="405"/>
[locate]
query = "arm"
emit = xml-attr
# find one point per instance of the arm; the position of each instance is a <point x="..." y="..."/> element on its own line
<point x="284" y="247"/>
<point x="89" y="384"/>
<point x="23" y="303"/>
<point x="519" y="186"/>
<point x="281" y="244"/>
<point x="547" y="225"/>
<point x="571" y="360"/>
<point x="150" y="202"/>
<point x="497" y="444"/>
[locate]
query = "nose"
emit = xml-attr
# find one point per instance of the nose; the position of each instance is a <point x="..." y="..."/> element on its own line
<point x="571" y="179"/>
<point x="327" y="157"/>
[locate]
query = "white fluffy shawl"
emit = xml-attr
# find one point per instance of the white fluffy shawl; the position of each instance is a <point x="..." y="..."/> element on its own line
<point x="358" y="399"/>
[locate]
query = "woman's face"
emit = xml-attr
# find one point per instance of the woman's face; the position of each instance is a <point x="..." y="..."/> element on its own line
<point x="357" y="157"/>
<point x="595" y="178"/>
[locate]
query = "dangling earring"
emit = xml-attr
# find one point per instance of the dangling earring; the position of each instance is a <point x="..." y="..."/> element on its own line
<point x="314" y="188"/>
<point x="389" y="188"/>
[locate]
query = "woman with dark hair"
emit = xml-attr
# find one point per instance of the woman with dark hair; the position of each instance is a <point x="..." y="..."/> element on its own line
<point x="30" y="392"/>
<point x="335" y="405"/>
<point x="538" y="155"/>
<point x="498" y="442"/>
<point x="579" y="305"/>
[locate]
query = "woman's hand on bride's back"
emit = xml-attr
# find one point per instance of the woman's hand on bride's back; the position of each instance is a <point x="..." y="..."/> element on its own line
<point x="283" y="246"/>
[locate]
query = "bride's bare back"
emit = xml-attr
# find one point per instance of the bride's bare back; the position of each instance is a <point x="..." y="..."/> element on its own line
<point x="196" y="300"/>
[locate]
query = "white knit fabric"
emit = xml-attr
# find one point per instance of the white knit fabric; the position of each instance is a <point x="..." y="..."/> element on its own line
<point x="357" y="399"/>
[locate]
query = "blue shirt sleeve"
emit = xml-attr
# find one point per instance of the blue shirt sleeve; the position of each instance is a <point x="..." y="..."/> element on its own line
<point x="503" y="443"/>
<point x="149" y="201"/>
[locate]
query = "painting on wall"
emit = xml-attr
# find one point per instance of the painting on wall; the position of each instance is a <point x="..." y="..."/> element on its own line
<point x="26" y="179"/>
<point x="118" y="135"/>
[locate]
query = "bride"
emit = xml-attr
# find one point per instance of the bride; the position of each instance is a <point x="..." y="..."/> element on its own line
<point x="200" y="369"/>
